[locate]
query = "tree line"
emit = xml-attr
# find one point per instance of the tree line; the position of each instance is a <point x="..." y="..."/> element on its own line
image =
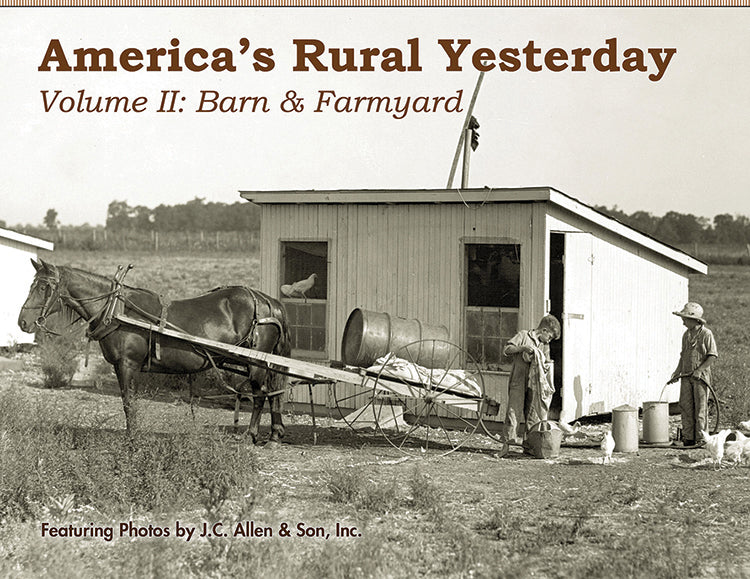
<point x="196" y="225"/>
<point x="195" y="215"/>
<point x="679" y="229"/>
<point x="683" y="229"/>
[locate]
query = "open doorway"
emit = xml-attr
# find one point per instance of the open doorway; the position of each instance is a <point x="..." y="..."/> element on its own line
<point x="556" y="293"/>
<point x="570" y="286"/>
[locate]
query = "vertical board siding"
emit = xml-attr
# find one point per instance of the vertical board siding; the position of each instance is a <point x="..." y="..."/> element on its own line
<point x="635" y="339"/>
<point x="408" y="260"/>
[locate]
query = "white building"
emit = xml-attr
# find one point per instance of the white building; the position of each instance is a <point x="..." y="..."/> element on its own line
<point x="16" y="251"/>
<point x="485" y="263"/>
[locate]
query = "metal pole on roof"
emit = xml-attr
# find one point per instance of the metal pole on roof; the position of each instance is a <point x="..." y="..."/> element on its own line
<point x="465" y="126"/>
<point x="467" y="158"/>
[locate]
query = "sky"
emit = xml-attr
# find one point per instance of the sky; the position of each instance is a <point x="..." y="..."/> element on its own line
<point x="611" y="138"/>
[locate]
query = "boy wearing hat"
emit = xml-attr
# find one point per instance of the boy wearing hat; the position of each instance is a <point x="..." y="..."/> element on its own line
<point x="694" y="368"/>
<point x="521" y="399"/>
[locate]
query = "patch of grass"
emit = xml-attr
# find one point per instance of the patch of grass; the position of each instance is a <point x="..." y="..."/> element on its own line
<point x="354" y="487"/>
<point x="43" y="459"/>
<point x="426" y="496"/>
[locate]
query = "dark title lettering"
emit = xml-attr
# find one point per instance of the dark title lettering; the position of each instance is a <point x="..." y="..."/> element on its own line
<point x="314" y="55"/>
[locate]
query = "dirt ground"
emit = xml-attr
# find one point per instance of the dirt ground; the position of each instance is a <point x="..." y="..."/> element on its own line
<point x="665" y="489"/>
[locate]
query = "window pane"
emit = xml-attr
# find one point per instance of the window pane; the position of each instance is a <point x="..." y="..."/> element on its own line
<point x="301" y="261"/>
<point x="491" y="324"/>
<point x="509" y="324"/>
<point x="304" y="294"/>
<point x="474" y="323"/>
<point x="318" y="315"/>
<point x="493" y="293"/>
<point x="494" y="274"/>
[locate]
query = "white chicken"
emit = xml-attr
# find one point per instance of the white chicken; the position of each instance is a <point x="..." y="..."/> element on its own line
<point x="745" y="425"/>
<point x="715" y="444"/>
<point x="299" y="288"/>
<point x="608" y="446"/>
<point x="733" y="449"/>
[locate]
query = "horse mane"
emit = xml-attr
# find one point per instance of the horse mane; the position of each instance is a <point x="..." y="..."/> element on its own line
<point x="98" y="278"/>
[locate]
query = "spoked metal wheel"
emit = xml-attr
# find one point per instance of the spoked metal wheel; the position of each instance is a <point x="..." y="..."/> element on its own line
<point x="354" y="403"/>
<point x="428" y="396"/>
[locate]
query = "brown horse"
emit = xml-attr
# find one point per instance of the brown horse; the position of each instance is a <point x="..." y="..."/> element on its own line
<point x="234" y="315"/>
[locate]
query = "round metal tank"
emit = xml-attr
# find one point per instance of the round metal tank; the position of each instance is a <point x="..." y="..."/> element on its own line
<point x="656" y="422"/>
<point x="370" y="335"/>
<point x="625" y="428"/>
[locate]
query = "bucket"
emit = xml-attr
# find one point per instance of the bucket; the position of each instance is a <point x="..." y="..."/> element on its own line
<point x="370" y="335"/>
<point x="543" y="440"/>
<point x="625" y="428"/>
<point x="656" y="422"/>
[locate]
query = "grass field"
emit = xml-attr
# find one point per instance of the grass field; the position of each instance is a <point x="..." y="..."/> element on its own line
<point x="65" y="460"/>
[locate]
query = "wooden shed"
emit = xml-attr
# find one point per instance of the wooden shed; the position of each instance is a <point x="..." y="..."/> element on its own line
<point x="16" y="249"/>
<point x="484" y="263"/>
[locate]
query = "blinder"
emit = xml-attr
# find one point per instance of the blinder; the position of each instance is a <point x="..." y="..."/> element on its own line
<point x="50" y="286"/>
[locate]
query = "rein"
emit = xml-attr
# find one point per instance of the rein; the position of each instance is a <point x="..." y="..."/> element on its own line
<point x="54" y="296"/>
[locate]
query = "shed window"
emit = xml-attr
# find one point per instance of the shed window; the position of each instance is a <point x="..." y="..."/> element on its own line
<point x="492" y="300"/>
<point x="304" y="291"/>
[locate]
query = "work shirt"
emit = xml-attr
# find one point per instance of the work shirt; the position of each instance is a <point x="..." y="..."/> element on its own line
<point x="697" y="345"/>
<point x="519" y="372"/>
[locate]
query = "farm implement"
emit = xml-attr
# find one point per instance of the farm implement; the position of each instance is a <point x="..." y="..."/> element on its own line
<point x="415" y="407"/>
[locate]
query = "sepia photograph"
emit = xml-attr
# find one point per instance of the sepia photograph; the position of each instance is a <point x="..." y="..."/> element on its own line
<point x="375" y="291"/>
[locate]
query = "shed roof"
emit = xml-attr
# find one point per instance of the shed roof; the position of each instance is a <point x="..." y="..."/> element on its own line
<point x="26" y="239"/>
<point x="481" y="196"/>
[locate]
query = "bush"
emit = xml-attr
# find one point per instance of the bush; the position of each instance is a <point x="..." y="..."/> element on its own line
<point x="58" y="357"/>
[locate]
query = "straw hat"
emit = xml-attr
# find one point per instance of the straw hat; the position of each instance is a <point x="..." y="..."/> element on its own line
<point x="693" y="311"/>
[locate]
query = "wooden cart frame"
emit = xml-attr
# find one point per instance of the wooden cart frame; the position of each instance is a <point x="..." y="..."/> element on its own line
<point x="414" y="416"/>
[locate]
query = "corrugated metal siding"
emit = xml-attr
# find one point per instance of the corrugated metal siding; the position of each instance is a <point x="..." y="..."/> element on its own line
<point x="18" y="275"/>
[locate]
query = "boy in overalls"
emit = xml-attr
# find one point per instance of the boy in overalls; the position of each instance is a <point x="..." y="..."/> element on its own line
<point x="523" y="405"/>
<point x="694" y="368"/>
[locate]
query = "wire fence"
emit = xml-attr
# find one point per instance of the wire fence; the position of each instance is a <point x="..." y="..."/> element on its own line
<point x="101" y="239"/>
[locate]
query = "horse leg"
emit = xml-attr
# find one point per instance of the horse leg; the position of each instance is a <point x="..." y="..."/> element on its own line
<point x="258" y="401"/>
<point x="277" y="425"/>
<point x="125" y="371"/>
<point x="276" y="383"/>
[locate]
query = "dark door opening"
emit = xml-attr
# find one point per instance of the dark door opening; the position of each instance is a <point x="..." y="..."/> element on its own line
<point x="556" y="293"/>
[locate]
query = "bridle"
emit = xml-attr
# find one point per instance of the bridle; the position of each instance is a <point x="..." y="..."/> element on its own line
<point x="50" y="285"/>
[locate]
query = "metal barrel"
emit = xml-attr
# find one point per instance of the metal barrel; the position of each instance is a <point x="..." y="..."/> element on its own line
<point x="656" y="422"/>
<point x="370" y="335"/>
<point x="625" y="428"/>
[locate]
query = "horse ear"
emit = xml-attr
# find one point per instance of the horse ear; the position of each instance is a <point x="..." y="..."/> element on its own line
<point x="37" y="266"/>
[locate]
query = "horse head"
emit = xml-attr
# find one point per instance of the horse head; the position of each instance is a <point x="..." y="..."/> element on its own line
<point x="43" y="298"/>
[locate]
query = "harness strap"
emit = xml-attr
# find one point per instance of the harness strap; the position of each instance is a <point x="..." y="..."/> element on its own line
<point x="103" y="325"/>
<point x="162" y="324"/>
